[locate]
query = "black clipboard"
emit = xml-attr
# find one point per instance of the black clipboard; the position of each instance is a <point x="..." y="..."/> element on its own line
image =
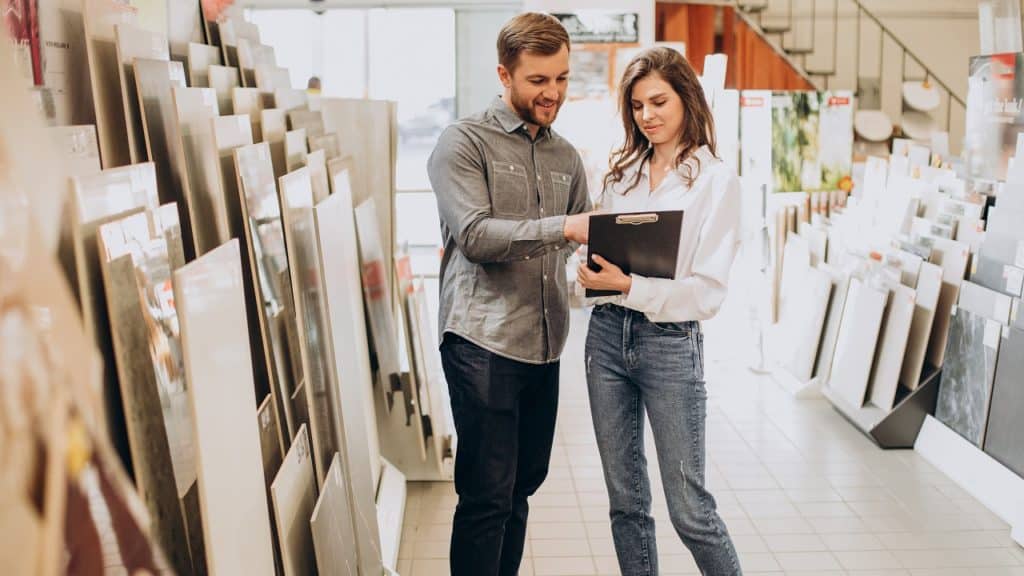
<point x="644" y="243"/>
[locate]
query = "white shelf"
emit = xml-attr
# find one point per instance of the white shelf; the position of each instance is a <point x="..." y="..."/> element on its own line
<point x="994" y="485"/>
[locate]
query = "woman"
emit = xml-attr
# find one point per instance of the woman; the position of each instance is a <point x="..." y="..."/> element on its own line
<point x="644" y="350"/>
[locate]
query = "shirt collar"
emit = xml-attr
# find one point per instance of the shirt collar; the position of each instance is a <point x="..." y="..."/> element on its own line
<point x="509" y="120"/>
<point x="702" y="154"/>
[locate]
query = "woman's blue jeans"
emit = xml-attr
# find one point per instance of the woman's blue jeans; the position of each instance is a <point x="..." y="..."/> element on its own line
<point x="635" y="366"/>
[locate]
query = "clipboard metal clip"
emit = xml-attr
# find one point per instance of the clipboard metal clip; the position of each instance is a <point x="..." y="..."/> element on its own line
<point x="636" y="219"/>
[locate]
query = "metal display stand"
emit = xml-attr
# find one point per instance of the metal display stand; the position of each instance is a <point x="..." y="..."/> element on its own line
<point x="899" y="427"/>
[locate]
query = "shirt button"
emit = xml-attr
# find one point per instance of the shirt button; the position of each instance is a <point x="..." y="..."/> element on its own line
<point x="545" y="276"/>
<point x="527" y="257"/>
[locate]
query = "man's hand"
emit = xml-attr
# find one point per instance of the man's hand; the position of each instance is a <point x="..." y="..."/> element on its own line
<point x="610" y="277"/>
<point x="577" y="227"/>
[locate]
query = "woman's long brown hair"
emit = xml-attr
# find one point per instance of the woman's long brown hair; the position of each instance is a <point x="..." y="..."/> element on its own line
<point x="698" y="123"/>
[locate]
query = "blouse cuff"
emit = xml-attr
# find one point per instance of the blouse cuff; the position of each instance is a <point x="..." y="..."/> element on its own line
<point x="639" y="293"/>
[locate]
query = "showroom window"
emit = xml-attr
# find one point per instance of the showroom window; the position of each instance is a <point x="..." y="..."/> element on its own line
<point x="401" y="54"/>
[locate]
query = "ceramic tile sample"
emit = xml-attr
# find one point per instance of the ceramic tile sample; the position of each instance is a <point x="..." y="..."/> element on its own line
<point x="1005" y="221"/>
<point x="295" y="149"/>
<point x="135" y="43"/>
<point x="965" y="391"/>
<point x="274" y="125"/>
<point x="378" y="301"/>
<point x="892" y="346"/>
<point x="308" y="285"/>
<point x="184" y="27"/>
<point x="1003" y="438"/>
<point x="910" y="266"/>
<point x="350" y="357"/>
<point x="985" y="302"/>
<point x="79" y="147"/>
<point x="223" y="80"/>
<point x="833" y="321"/>
<point x="953" y="257"/>
<point x="810" y="319"/>
<point x="294" y="495"/>
<point x="208" y="212"/>
<point x="413" y="381"/>
<point x="442" y="427"/>
<point x="317" y="163"/>
<point x="250" y="101"/>
<point x="1005" y="278"/>
<point x="264" y="239"/>
<point x="229" y="133"/>
<point x="334" y="538"/>
<point x="796" y="263"/>
<point x="328" y="143"/>
<point x="1001" y="248"/>
<point x="97" y="197"/>
<point x="289" y="99"/>
<point x="858" y="336"/>
<point x="928" y="288"/>
<point x="312" y="122"/>
<point x="211" y="310"/>
<point x="272" y="451"/>
<point x="100" y="17"/>
<point x="155" y="80"/>
<point x="367" y="131"/>
<point x="200" y="58"/>
<point x="138" y="255"/>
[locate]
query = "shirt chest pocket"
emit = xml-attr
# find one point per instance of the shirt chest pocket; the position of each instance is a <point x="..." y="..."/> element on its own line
<point x="561" y="183"/>
<point x="510" y="192"/>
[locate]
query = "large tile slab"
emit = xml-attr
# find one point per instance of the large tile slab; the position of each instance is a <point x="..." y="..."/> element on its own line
<point x="211" y="308"/>
<point x="294" y="494"/>
<point x="131" y="43"/>
<point x="858" y="337"/>
<point x="1003" y="441"/>
<point x="965" y="391"/>
<point x="929" y="286"/>
<point x="334" y="538"/>
<point x="892" y="347"/>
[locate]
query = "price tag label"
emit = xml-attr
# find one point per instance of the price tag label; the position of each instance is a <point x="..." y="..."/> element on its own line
<point x="993" y="330"/>
<point x="1014" y="279"/>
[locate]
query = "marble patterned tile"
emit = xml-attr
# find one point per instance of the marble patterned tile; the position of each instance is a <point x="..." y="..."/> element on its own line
<point x="965" y="390"/>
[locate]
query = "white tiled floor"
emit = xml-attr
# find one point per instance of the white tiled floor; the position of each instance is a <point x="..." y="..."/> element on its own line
<point x="801" y="490"/>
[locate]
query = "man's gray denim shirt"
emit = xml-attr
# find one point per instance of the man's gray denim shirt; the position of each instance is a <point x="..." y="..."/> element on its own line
<point x="503" y="197"/>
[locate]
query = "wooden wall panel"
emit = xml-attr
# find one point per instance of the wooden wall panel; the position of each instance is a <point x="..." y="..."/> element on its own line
<point x="753" y="62"/>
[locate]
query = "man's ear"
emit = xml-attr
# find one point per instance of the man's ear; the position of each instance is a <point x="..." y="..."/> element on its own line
<point x="505" y="76"/>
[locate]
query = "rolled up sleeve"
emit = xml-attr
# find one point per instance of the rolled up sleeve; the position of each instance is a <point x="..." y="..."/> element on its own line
<point x="458" y="177"/>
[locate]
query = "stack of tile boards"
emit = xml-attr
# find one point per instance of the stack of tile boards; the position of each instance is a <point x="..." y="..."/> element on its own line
<point x="915" y="274"/>
<point x="213" y="247"/>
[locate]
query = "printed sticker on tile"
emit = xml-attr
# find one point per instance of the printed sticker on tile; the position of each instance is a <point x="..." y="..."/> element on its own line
<point x="1014" y="279"/>
<point x="993" y="330"/>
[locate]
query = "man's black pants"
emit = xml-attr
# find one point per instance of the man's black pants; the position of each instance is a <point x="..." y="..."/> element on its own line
<point x="505" y="418"/>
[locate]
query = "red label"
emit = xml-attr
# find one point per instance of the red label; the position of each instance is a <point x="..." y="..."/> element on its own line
<point x="1004" y="66"/>
<point x="373" y="280"/>
<point x="839" y="101"/>
<point x="752" y="101"/>
<point x="403" y="267"/>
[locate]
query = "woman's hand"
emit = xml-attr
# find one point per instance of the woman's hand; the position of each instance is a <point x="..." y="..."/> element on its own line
<point x="610" y="277"/>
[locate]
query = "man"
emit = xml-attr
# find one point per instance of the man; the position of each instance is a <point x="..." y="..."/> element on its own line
<point x="511" y="194"/>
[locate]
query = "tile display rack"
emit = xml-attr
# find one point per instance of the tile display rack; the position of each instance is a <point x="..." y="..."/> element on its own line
<point x="898" y="428"/>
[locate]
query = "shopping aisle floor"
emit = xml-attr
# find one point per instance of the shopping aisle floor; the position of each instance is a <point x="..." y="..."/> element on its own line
<point x="800" y="489"/>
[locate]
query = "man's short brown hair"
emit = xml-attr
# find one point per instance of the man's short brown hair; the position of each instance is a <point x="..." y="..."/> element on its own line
<point x="530" y="32"/>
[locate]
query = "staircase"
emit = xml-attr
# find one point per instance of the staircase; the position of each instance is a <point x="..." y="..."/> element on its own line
<point x="816" y="37"/>
<point x="823" y="45"/>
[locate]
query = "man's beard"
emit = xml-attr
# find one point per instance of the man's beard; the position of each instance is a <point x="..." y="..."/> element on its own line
<point x="524" y="108"/>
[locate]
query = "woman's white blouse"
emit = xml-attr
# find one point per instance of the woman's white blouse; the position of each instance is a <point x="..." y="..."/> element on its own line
<point x="708" y="243"/>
